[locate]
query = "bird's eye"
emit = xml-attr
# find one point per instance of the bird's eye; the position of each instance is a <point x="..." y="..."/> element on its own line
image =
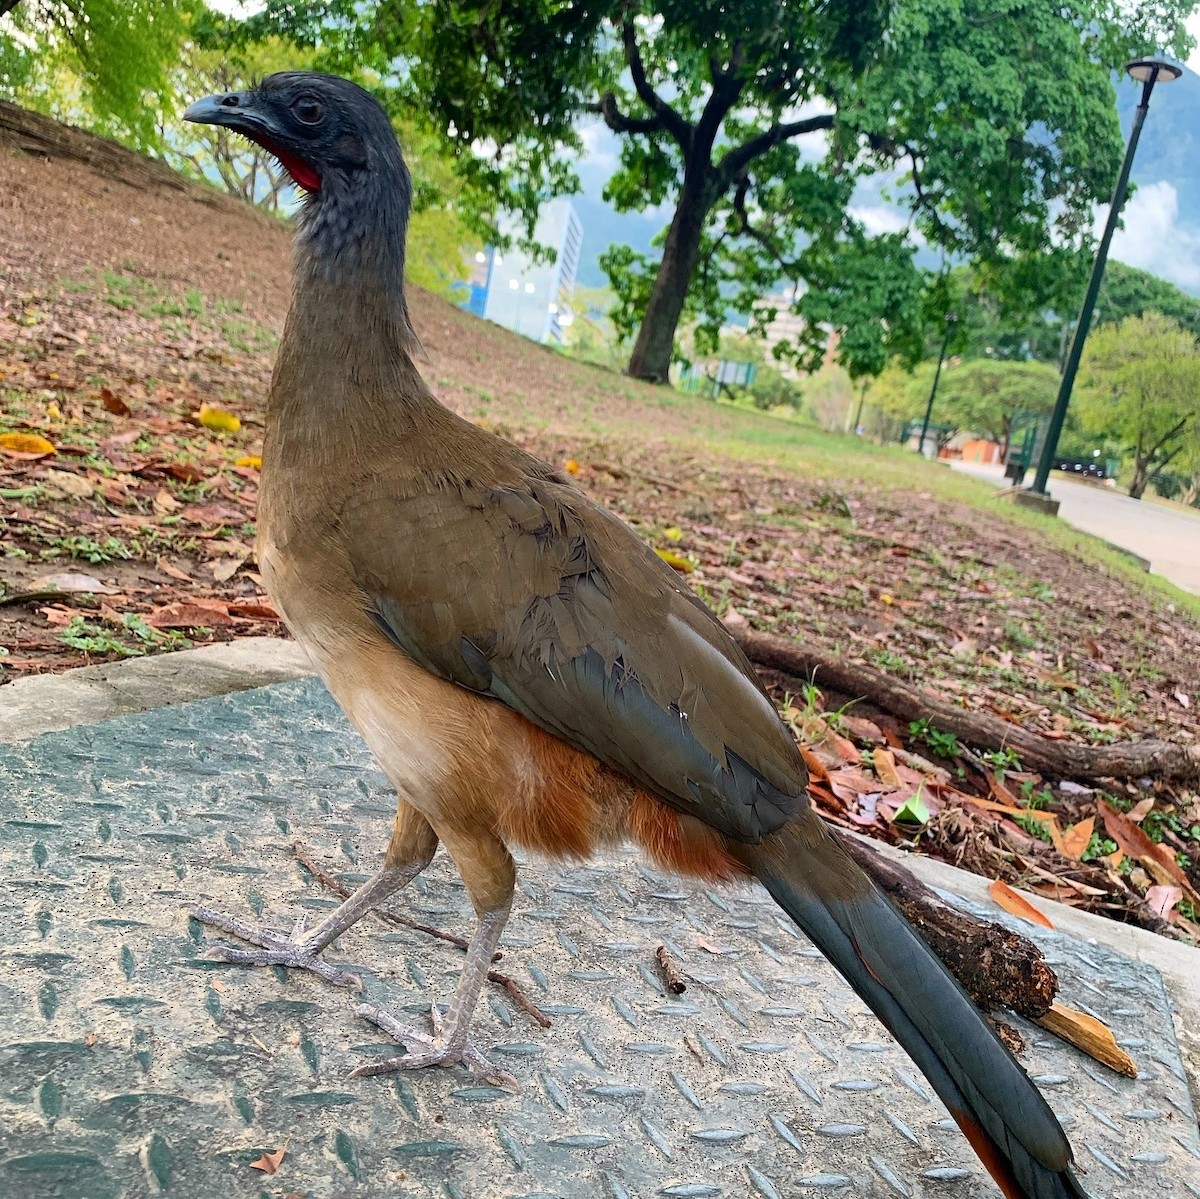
<point x="308" y="110"/>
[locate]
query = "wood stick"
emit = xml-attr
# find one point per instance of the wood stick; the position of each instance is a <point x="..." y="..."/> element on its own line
<point x="671" y="971"/>
<point x="1063" y="759"/>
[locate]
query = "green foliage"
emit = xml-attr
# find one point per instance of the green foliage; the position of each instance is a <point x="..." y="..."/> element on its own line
<point x="1140" y="383"/>
<point x="945" y="745"/>
<point x="104" y="64"/>
<point x="983" y="396"/>
<point x="990" y="328"/>
<point x="997" y="163"/>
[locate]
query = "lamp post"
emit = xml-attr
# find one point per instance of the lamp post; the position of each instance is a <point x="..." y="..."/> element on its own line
<point x="951" y="318"/>
<point x="1147" y="72"/>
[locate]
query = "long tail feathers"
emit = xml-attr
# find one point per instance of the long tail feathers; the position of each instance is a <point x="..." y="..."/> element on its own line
<point x="1002" y="1113"/>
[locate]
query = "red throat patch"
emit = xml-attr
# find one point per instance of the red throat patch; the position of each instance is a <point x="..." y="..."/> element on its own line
<point x="299" y="170"/>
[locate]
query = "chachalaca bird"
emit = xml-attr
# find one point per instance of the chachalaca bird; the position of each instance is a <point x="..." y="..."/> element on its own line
<point x="525" y="670"/>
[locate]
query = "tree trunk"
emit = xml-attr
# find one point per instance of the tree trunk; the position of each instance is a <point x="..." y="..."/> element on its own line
<point x="1141" y="476"/>
<point x="652" y="352"/>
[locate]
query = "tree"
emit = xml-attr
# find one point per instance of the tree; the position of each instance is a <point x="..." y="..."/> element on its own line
<point x="978" y="396"/>
<point x="1140" y="383"/>
<point x="988" y="328"/>
<point x="755" y="121"/>
<point x="242" y="167"/>
<point x="106" y="64"/>
<point x="985" y="396"/>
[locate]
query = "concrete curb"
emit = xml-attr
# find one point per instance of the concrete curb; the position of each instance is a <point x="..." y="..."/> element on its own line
<point x="48" y="703"/>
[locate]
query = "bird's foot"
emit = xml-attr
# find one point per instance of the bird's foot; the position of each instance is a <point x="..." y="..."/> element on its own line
<point x="274" y="949"/>
<point x="425" y="1050"/>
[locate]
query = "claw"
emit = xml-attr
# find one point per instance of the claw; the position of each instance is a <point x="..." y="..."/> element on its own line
<point x="274" y="949"/>
<point x="434" y="1051"/>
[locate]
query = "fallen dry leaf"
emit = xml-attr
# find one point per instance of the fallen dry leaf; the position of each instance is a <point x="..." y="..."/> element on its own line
<point x="25" y="445"/>
<point x="1163" y="899"/>
<point x="190" y="614"/>
<point x="1017" y="905"/>
<point x="1089" y="1034"/>
<point x="113" y="403"/>
<point x="1158" y="860"/>
<point x="885" y="768"/>
<point x="251" y="460"/>
<point x="164" y="502"/>
<point x="1077" y="838"/>
<point x="68" y="483"/>
<point x="571" y="466"/>
<point x="269" y="1163"/>
<point x="223" y="569"/>
<point x="259" y="609"/>
<point x="173" y="571"/>
<point x="1142" y="809"/>
<point x="90" y="1040"/>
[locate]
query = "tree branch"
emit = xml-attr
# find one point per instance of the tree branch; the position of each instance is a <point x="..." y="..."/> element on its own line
<point x="672" y="122"/>
<point x="727" y="85"/>
<point x="618" y="122"/>
<point x="763" y="239"/>
<point x="923" y="199"/>
<point x="1162" y="441"/>
<point x="736" y="161"/>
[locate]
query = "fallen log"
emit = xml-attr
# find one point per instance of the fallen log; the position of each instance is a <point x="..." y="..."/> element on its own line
<point x="995" y="966"/>
<point x="1063" y="759"/>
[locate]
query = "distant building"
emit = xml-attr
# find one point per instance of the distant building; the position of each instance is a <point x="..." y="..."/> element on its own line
<point x="507" y="287"/>
<point x="787" y="326"/>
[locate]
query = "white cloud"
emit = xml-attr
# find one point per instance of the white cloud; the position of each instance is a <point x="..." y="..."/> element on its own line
<point x="1152" y="238"/>
<point x="598" y="145"/>
<point x="879" y="218"/>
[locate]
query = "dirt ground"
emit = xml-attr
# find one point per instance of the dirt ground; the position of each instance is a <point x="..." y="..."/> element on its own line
<point x="138" y="318"/>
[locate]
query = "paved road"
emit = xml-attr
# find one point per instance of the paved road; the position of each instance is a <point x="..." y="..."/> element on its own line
<point x="1170" y="539"/>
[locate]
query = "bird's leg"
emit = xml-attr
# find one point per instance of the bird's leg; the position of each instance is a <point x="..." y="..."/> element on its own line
<point x="411" y="849"/>
<point x="487" y="869"/>
<point x="449" y="1044"/>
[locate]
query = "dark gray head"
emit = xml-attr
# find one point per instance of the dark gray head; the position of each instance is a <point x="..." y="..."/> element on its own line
<point x="337" y="143"/>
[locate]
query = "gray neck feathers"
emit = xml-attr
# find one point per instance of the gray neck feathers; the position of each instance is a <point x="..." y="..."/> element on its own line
<point x="351" y="236"/>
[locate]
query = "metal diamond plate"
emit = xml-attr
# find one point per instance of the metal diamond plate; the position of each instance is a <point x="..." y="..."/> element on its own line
<point x="130" y="1066"/>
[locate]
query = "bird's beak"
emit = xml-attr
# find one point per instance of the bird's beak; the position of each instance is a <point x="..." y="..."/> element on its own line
<point x="236" y="111"/>
<point x="240" y="112"/>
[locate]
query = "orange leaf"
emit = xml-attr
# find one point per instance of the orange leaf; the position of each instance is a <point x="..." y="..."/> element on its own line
<point x="269" y="1162"/>
<point x="885" y="768"/>
<point x="816" y="768"/>
<point x="190" y="614"/>
<point x="1017" y="905"/>
<point x="571" y="466"/>
<point x="1078" y="837"/>
<point x="1157" y="859"/>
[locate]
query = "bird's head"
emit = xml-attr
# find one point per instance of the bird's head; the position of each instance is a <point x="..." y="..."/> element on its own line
<point x="334" y="140"/>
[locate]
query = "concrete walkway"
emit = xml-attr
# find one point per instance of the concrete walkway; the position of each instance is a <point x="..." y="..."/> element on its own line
<point x="766" y="1078"/>
<point x="1168" y="538"/>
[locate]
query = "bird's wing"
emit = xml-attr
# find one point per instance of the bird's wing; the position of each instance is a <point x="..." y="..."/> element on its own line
<point x="531" y="594"/>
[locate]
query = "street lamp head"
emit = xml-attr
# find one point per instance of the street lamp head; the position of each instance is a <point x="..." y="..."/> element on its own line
<point x="1153" y="70"/>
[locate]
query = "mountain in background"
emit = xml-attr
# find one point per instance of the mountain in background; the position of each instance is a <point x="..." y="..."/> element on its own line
<point x="1162" y="218"/>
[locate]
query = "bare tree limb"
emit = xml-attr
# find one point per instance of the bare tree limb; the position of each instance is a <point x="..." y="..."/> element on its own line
<point x="619" y="122"/>
<point x="672" y="122"/>
<point x="763" y="239"/>
<point x="736" y="161"/>
<point x="1062" y="759"/>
